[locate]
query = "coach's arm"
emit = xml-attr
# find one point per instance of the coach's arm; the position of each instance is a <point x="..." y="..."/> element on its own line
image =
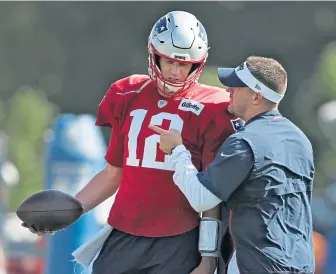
<point x="204" y="190"/>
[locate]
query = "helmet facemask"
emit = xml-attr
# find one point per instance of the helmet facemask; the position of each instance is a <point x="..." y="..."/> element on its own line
<point x="166" y="86"/>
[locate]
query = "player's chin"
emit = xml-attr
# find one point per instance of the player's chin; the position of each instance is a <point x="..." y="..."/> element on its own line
<point x="167" y="93"/>
<point x="172" y="93"/>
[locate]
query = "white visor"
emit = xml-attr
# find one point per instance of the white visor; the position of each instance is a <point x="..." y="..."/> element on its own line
<point x="242" y="77"/>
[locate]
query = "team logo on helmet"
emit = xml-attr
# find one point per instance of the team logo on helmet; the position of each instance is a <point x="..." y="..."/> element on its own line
<point x="161" y="25"/>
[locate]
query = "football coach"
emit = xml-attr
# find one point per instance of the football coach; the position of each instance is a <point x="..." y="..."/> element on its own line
<point x="263" y="174"/>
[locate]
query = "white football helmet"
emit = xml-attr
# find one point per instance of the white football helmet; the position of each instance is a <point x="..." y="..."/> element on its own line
<point x="180" y="37"/>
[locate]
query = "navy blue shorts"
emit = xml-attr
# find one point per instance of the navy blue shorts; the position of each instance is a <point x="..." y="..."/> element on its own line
<point x="123" y="253"/>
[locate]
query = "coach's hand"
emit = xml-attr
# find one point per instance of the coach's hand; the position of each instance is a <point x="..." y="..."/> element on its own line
<point x="169" y="139"/>
<point x="38" y="232"/>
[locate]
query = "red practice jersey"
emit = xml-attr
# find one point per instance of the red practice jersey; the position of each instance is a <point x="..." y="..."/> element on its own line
<point x="148" y="203"/>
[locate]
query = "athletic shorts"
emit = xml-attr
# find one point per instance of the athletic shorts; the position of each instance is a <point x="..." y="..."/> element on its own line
<point x="123" y="253"/>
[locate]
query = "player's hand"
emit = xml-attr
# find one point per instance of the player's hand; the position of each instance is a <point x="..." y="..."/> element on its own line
<point x="207" y="266"/>
<point x="169" y="139"/>
<point x="38" y="232"/>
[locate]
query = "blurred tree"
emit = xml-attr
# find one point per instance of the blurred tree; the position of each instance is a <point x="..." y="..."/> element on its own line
<point x="209" y="77"/>
<point x="316" y="90"/>
<point x="29" y="113"/>
<point x="328" y="68"/>
<point x="2" y="114"/>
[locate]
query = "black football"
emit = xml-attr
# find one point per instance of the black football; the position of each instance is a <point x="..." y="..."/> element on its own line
<point x="49" y="210"/>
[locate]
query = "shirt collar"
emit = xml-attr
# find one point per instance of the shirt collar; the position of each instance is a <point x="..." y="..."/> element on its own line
<point x="266" y="114"/>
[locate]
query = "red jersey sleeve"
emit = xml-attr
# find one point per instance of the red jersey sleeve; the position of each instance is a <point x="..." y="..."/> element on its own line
<point x="109" y="115"/>
<point x="112" y="110"/>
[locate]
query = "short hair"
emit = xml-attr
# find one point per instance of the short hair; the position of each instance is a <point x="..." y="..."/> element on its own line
<point x="268" y="71"/>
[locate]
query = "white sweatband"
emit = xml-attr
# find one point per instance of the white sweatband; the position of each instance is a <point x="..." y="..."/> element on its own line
<point x="253" y="83"/>
<point x="210" y="232"/>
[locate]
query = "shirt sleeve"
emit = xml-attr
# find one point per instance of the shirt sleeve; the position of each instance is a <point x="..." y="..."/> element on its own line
<point x="230" y="168"/>
<point x="185" y="177"/>
<point x="115" y="152"/>
<point x="109" y="112"/>
<point x="206" y="189"/>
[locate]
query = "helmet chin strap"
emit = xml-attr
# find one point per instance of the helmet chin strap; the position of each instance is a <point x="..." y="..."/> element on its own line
<point x="164" y="88"/>
<point x="170" y="90"/>
<point x="167" y="90"/>
<point x="164" y="94"/>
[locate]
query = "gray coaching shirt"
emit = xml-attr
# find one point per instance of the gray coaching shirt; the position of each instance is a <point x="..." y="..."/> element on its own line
<point x="264" y="174"/>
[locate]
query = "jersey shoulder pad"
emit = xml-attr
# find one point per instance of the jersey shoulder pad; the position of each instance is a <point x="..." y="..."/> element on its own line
<point x="130" y="85"/>
<point x="122" y="91"/>
<point x="216" y="101"/>
<point x="213" y="95"/>
<point x="118" y="97"/>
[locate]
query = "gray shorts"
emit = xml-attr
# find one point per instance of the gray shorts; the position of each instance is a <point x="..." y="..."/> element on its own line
<point x="123" y="253"/>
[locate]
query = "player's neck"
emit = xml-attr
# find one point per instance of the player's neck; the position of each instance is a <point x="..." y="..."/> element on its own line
<point x="163" y="94"/>
<point x="173" y="95"/>
<point x="178" y="94"/>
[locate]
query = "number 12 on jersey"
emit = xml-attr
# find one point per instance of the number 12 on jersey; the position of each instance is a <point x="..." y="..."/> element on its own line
<point x="150" y="147"/>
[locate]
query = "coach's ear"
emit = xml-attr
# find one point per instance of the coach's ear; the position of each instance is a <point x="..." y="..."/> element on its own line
<point x="257" y="98"/>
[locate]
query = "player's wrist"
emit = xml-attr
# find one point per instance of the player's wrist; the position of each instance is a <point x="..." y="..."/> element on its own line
<point x="86" y="207"/>
<point x="209" y="264"/>
<point x="210" y="232"/>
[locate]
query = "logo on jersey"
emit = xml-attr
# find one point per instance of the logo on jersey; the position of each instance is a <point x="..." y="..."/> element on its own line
<point x="190" y="105"/>
<point x="237" y="124"/>
<point x="162" y="103"/>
